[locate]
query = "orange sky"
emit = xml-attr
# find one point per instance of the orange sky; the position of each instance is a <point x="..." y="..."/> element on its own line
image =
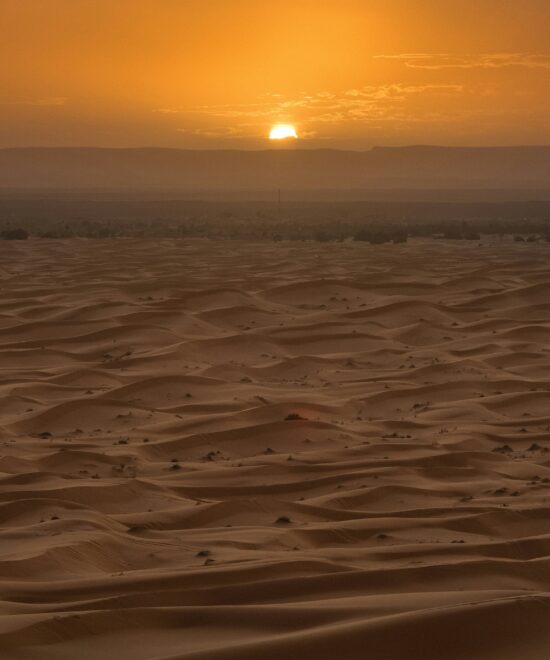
<point x="219" y="73"/>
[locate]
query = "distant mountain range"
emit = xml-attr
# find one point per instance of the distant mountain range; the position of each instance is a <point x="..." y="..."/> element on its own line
<point x="152" y="169"/>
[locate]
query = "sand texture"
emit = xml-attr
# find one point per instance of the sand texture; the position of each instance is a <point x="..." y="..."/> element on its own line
<point x="220" y="450"/>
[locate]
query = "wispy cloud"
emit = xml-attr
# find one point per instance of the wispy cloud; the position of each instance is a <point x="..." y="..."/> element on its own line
<point x="399" y="91"/>
<point x="50" y="101"/>
<point x="216" y="132"/>
<point x="433" y="90"/>
<point x="362" y="104"/>
<point x="437" y="61"/>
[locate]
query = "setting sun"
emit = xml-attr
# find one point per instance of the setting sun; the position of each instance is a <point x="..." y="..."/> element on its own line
<point x="282" y="132"/>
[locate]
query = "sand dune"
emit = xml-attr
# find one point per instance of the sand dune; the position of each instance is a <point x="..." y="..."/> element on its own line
<point x="221" y="450"/>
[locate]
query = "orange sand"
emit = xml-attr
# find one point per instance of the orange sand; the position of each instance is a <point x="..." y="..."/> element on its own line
<point x="157" y="504"/>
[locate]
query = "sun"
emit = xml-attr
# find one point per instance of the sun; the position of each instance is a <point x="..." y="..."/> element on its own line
<point x="282" y="132"/>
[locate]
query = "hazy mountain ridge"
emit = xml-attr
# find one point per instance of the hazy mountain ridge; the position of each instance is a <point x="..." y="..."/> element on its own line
<point x="381" y="167"/>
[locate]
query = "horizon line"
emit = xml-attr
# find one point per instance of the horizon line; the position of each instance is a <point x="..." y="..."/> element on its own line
<point x="273" y="149"/>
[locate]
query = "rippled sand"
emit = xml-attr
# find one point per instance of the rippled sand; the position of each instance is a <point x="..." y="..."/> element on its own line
<point x="227" y="450"/>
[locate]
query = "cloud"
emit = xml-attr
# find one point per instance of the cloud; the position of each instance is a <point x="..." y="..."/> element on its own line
<point x="398" y="91"/>
<point x="442" y="101"/>
<point x="53" y="101"/>
<point x="438" y="61"/>
<point x="367" y="103"/>
<point x="216" y="132"/>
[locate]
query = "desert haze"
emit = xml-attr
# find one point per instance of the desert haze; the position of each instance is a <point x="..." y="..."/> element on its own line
<point x="218" y="449"/>
<point x="184" y="170"/>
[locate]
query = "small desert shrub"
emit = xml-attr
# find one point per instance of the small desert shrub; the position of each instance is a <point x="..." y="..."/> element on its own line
<point x="294" y="417"/>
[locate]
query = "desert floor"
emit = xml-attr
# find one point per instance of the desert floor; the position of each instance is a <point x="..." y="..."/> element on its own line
<point x="227" y="450"/>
